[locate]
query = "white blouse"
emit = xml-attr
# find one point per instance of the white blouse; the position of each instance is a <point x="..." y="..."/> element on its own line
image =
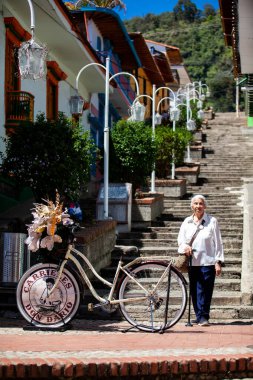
<point x="207" y="245"/>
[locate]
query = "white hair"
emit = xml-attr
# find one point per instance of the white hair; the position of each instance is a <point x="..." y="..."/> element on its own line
<point x="199" y="196"/>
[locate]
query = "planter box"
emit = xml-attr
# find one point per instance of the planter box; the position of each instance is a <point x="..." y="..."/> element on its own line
<point x="171" y="188"/>
<point x="190" y="173"/>
<point x="209" y="115"/>
<point x="198" y="135"/>
<point x="146" y="209"/>
<point x="196" y="151"/>
<point x="97" y="242"/>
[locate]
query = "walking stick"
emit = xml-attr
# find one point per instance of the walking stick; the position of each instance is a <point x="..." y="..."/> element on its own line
<point x="190" y="296"/>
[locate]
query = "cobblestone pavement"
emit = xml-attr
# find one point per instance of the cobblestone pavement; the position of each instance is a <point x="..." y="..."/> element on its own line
<point x="223" y="347"/>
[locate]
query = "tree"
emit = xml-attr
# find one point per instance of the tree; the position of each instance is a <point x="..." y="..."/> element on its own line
<point x="209" y="10"/>
<point x="222" y="86"/>
<point x="96" y="3"/>
<point x="49" y="155"/>
<point x="186" y="10"/>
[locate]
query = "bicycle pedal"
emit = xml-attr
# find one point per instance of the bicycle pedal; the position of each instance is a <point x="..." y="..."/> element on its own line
<point x="90" y="307"/>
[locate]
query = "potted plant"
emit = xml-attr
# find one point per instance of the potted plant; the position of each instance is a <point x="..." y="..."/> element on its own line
<point x="132" y="157"/>
<point x="170" y="144"/>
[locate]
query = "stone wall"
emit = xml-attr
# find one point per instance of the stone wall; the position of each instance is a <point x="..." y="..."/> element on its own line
<point x="97" y="242"/>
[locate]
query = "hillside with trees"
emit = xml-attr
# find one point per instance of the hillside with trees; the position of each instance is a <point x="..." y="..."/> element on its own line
<point x="199" y="36"/>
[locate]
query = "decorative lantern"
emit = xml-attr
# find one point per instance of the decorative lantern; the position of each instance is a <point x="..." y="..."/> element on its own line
<point x="174" y="114"/>
<point x="138" y="111"/>
<point x="202" y="97"/>
<point x="208" y="93"/>
<point x="199" y="104"/>
<point x="200" y="114"/>
<point x="158" y="119"/>
<point x="76" y="104"/>
<point x="32" y="60"/>
<point x="191" y="126"/>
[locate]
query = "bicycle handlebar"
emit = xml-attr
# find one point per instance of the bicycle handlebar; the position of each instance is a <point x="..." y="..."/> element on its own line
<point x="73" y="228"/>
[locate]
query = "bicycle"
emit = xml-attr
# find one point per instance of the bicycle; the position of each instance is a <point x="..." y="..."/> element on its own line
<point x="149" y="291"/>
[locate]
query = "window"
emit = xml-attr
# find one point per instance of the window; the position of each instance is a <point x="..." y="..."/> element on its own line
<point x="54" y="75"/>
<point x="15" y="35"/>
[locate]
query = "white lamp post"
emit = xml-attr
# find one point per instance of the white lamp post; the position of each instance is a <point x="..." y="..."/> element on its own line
<point x="190" y="124"/>
<point x="31" y="55"/>
<point x="202" y="94"/>
<point x="156" y="117"/>
<point x="174" y="116"/>
<point x="106" y="122"/>
<point x="154" y="93"/>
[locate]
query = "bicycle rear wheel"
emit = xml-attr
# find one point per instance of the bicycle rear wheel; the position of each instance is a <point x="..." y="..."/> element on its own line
<point x="39" y="308"/>
<point x="150" y="313"/>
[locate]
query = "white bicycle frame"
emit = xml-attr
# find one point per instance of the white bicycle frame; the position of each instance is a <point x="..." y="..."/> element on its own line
<point x="120" y="267"/>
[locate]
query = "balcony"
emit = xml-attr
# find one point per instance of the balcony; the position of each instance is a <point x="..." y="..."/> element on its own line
<point x="123" y="81"/>
<point x="19" y="109"/>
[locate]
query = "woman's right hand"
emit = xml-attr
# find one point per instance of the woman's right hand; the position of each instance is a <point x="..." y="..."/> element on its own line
<point x="188" y="250"/>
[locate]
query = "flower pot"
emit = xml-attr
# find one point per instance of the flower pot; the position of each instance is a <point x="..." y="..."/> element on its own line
<point x="146" y="209"/>
<point x="171" y="188"/>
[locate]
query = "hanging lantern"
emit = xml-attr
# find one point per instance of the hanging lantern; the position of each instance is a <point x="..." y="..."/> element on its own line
<point x="191" y="126"/>
<point x="199" y="104"/>
<point x="76" y="104"/>
<point x="138" y="111"/>
<point x="174" y="114"/>
<point x="202" y="97"/>
<point x="208" y="93"/>
<point x="32" y="60"/>
<point x="200" y="114"/>
<point x="158" y="119"/>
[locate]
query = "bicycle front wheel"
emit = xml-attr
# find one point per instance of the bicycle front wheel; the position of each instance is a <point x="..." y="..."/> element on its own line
<point x="152" y="299"/>
<point x="41" y="308"/>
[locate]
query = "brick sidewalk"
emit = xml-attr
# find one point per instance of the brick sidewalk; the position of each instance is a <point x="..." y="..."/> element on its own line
<point x="100" y="350"/>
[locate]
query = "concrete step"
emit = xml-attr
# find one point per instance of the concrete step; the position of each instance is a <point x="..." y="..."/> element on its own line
<point x="228" y="244"/>
<point x="165" y="223"/>
<point x="211" y="208"/>
<point x="155" y="235"/>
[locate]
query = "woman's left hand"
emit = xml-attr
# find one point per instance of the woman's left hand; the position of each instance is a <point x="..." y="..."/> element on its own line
<point x="218" y="269"/>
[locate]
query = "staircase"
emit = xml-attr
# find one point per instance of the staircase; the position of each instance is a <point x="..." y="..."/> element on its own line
<point x="228" y="158"/>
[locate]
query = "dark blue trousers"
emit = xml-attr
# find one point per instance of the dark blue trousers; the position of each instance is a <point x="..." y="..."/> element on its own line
<point x="202" y="284"/>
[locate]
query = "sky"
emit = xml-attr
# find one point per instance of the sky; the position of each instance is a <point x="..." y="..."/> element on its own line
<point x="139" y="8"/>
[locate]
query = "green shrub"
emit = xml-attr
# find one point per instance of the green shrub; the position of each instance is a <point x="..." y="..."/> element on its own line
<point x="167" y="143"/>
<point x="132" y="153"/>
<point x="49" y="155"/>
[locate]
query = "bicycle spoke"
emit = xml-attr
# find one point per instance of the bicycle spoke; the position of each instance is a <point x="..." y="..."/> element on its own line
<point x="162" y="304"/>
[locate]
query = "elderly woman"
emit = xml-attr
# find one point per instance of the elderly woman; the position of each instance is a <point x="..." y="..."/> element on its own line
<point x="206" y="250"/>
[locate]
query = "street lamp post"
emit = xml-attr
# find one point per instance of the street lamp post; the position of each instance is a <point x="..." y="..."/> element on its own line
<point x="174" y="117"/>
<point x="156" y="117"/>
<point x="190" y="94"/>
<point x="108" y="79"/>
<point x="174" y="99"/>
<point x="31" y="55"/>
